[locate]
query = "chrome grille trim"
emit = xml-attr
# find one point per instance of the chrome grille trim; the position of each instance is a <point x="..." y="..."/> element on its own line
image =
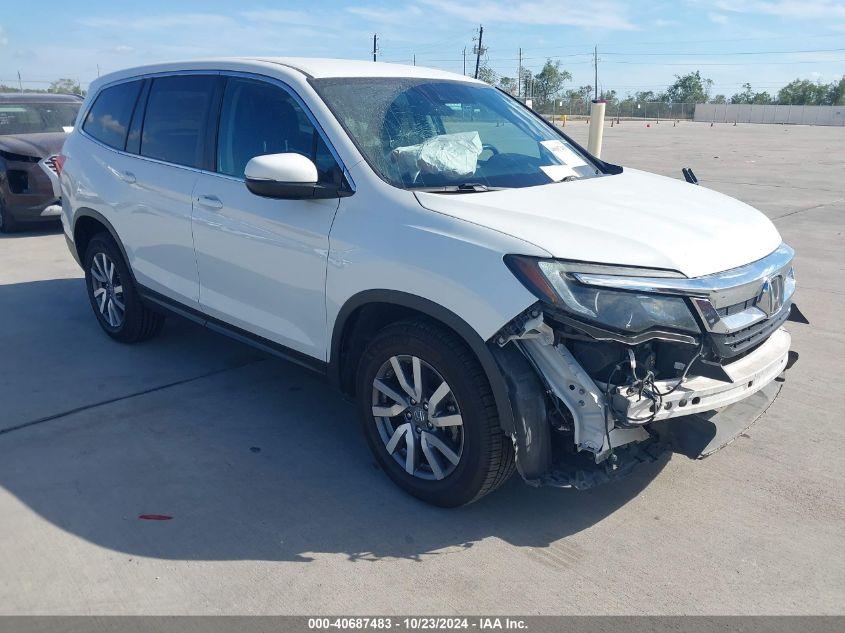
<point x="726" y="288"/>
<point x="714" y="295"/>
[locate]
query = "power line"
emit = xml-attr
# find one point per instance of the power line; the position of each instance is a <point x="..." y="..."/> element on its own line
<point x="676" y="54"/>
<point x="649" y="63"/>
<point x="807" y="61"/>
<point x="817" y="50"/>
<point x="704" y="41"/>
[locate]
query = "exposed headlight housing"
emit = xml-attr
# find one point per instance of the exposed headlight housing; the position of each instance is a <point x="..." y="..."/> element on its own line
<point x="557" y="283"/>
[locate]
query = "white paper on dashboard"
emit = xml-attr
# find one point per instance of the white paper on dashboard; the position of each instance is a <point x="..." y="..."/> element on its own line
<point x="564" y="153"/>
<point x="558" y="172"/>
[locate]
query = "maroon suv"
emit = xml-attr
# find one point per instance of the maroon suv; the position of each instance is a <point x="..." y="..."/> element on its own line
<point x="33" y="128"/>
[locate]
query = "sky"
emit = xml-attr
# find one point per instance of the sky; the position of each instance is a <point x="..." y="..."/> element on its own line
<point x="641" y="46"/>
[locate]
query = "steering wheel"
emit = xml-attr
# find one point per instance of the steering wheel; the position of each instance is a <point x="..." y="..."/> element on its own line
<point x="492" y="149"/>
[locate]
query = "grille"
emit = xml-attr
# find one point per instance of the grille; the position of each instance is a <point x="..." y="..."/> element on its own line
<point x="735" y="343"/>
<point x="738" y="307"/>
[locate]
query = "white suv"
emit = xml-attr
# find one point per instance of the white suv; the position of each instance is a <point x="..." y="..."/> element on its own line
<point x="491" y="295"/>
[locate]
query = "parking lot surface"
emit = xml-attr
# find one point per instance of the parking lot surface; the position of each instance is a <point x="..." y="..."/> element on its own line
<point x="277" y="506"/>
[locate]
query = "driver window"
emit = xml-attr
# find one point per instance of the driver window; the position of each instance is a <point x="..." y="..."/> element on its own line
<point x="259" y="118"/>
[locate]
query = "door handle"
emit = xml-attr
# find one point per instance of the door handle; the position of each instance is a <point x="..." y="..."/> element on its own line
<point x="129" y="177"/>
<point x="212" y="202"/>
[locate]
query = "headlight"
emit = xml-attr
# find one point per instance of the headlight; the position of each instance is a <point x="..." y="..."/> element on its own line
<point x="555" y="282"/>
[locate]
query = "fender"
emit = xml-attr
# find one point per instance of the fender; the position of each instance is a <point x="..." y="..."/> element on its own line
<point x="445" y="316"/>
<point x="85" y="212"/>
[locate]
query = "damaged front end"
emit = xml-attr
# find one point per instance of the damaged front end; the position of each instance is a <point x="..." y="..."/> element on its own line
<point x="609" y="353"/>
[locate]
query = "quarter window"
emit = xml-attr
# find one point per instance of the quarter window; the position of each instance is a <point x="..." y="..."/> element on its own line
<point x="176" y="119"/>
<point x="108" y="119"/>
<point x="258" y="118"/>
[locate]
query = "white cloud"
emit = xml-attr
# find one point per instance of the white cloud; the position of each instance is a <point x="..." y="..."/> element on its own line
<point x="798" y="9"/>
<point x="718" y="18"/>
<point x="3" y="39"/>
<point x="384" y="15"/>
<point x="159" y="22"/>
<point x="603" y="14"/>
<point x="282" y="16"/>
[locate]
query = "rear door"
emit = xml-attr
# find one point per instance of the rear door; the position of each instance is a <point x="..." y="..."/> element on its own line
<point x="262" y="262"/>
<point x="172" y="135"/>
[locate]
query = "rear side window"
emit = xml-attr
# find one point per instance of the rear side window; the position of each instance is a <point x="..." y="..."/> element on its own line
<point x="258" y="118"/>
<point x="176" y="119"/>
<point x="108" y="119"/>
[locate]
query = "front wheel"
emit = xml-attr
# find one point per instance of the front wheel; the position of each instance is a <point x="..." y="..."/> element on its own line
<point x="429" y="415"/>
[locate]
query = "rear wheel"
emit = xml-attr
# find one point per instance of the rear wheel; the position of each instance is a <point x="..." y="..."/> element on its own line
<point x="429" y="414"/>
<point x="113" y="295"/>
<point x="8" y="224"/>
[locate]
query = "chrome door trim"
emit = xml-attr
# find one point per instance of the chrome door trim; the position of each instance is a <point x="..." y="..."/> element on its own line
<point x="227" y="73"/>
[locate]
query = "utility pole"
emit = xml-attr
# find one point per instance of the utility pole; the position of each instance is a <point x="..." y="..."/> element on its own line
<point x="596" y="66"/>
<point x="415" y="59"/>
<point x="519" y="76"/>
<point x="20" y="83"/>
<point x="479" y="49"/>
<point x="375" y="45"/>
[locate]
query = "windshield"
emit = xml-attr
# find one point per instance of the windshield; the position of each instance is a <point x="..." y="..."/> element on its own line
<point x="31" y="118"/>
<point x="424" y="133"/>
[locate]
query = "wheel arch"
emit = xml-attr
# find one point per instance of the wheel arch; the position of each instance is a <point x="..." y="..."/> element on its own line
<point x="368" y="311"/>
<point x="86" y="224"/>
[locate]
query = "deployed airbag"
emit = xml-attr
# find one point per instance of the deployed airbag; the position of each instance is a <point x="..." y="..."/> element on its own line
<point x="446" y="154"/>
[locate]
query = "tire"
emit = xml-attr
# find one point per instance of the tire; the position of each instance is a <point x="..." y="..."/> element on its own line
<point x="485" y="455"/>
<point x="108" y="279"/>
<point x="8" y="224"/>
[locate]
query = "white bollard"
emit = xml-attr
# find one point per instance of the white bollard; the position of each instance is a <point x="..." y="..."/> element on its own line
<point x="596" y="128"/>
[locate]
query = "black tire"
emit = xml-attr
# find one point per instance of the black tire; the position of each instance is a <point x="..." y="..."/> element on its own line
<point x="139" y="323"/>
<point x="487" y="456"/>
<point x="8" y="224"/>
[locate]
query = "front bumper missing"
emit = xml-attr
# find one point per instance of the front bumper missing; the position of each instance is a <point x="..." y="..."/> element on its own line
<point x="748" y="375"/>
<point x="701" y="416"/>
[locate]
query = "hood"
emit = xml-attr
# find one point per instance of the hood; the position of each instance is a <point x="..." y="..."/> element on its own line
<point x="38" y="145"/>
<point x="632" y="219"/>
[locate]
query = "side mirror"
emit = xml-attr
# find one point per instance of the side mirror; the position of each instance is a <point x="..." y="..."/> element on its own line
<point x="286" y="176"/>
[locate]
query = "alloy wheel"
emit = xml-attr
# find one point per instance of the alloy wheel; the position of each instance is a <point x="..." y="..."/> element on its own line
<point x="418" y="418"/>
<point x="107" y="290"/>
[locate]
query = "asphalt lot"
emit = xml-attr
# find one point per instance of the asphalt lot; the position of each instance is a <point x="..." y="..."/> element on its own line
<point x="278" y="508"/>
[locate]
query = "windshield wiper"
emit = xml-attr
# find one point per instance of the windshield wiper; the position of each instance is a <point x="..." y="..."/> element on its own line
<point x="464" y="187"/>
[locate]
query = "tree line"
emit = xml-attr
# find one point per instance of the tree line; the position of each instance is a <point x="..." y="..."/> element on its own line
<point x="63" y="86"/>
<point x="547" y="86"/>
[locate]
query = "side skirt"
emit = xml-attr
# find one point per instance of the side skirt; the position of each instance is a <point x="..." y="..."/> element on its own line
<point x="159" y="302"/>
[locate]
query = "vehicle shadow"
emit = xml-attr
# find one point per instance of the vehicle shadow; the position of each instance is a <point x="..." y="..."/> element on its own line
<point x="30" y="229"/>
<point x="244" y="457"/>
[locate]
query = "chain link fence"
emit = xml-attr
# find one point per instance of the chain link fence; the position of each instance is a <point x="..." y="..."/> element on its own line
<point x="621" y="110"/>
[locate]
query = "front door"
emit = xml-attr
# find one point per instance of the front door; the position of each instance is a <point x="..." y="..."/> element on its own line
<point x="262" y="262"/>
